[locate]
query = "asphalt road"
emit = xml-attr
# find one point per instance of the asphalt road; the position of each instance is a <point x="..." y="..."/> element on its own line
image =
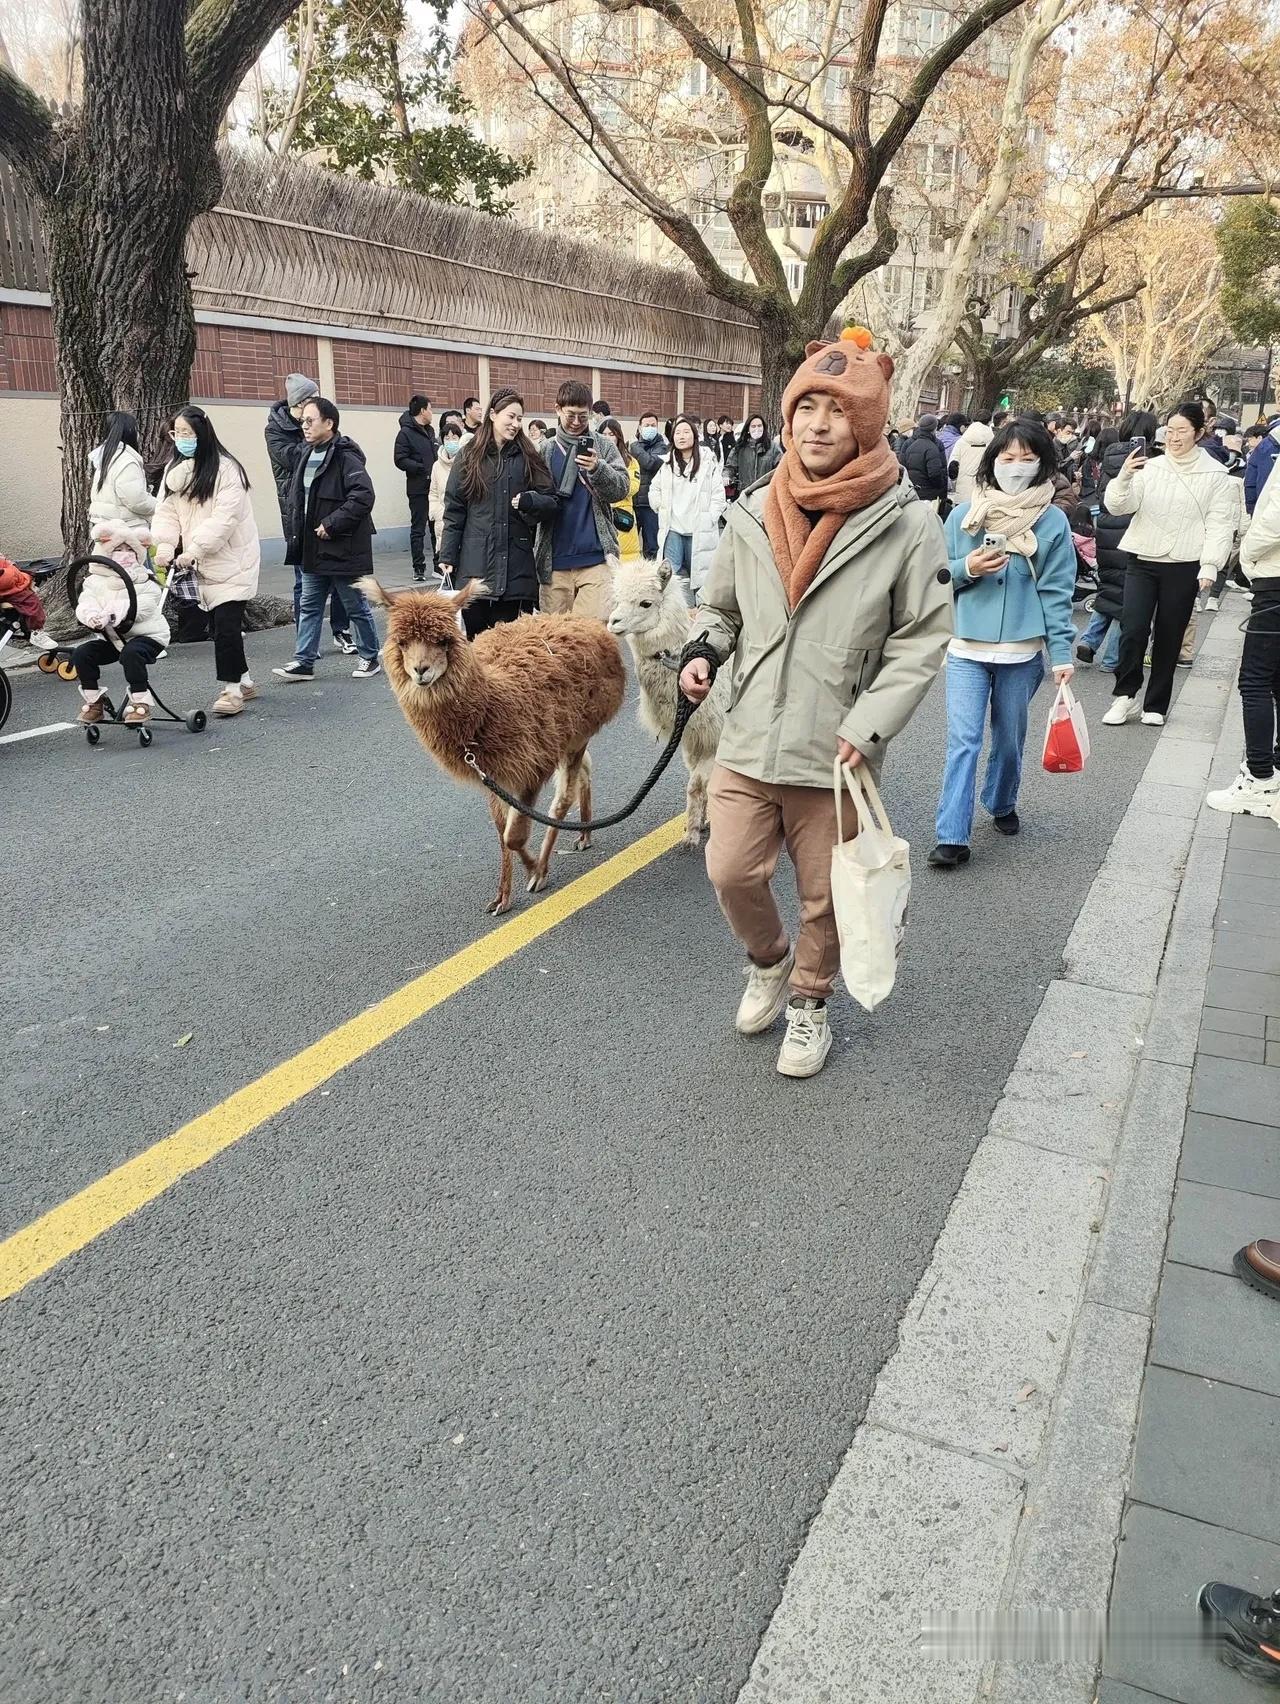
<point x="515" y="1362"/>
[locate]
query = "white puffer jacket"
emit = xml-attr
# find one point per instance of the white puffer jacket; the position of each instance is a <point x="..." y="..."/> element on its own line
<point x="1260" y="546"/>
<point x="123" y="494"/>
<point x="970" y="448"/>
<point x="103" y="601"/>
<point x="1184" y="511"/>
<point x="221" y="535"/>
<point x="691" y="506"/>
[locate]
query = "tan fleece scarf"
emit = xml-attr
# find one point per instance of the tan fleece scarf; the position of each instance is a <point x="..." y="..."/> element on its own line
<point x="1012" y="513"/>
<point x="798" y="546"/>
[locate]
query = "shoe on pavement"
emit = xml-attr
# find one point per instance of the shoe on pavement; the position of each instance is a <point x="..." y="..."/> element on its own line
<point x="1084" y="653"/>
<point x="1122" y="710"/>
<point x="765" y="996"/>
<point x="1246" y="1628"/>
<point x="366" y="668"/>
<point x="295" y="671"/>
<point x="228" y="703"/>
<point x="136" y="715"/>
<point x="807" y="1042"/>
<point x="91" y="714"/>
<point x="1258" y="1263"/>
<point x="1247" y="795"/>
<point x="248" y="690"/>
<point x="1185" y="662"/>
<point x="41" y="641"/>
<point x="1213" y="603"/>
<point x="946" y="856"/>
<point x="1152" y="719"/>
<point x="345" y="643"/>
<point x="1008" y="823"/>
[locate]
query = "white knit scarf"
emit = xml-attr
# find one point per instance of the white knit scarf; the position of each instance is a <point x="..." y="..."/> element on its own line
<point x="1013" y="513"/>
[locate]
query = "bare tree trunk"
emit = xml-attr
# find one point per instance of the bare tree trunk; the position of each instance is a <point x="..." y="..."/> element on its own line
<point x="782" y="345"/>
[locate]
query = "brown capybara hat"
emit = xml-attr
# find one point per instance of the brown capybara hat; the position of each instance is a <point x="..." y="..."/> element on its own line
<point x="854" y="374"/>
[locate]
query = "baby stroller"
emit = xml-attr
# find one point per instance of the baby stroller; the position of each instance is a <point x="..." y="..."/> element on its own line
<point x="194" y="722"/>
<point x="19" y="608"/>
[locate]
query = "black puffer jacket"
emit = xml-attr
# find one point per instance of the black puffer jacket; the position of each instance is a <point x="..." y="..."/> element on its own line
<point x="926" y="464"/>
<point x="484" y="538"/>
<point x="415" y="454"/>
<point x="285" y="444"/>
<point x="341" y="501"/>
<point x="1113" y="558"/>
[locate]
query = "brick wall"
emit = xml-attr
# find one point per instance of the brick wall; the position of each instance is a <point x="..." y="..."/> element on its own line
<point x="383" y="375"/>
<point x="632" y="394"/>
<point x="27" y="361"/>
<point x="536" y="381"/>
<point x="755" y="402"/>
<point x="235" y="364"/>
<point x="704" y="397"/>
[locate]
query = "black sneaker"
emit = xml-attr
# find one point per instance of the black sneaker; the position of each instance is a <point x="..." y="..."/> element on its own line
<point x="1246" y="1629"/>
<point x="345" y="643"/>
<point x="295" y="671"/>
<point x="367" y="667"/>
<point x="947" y="857"/>
<point x="1008" y="823"/>
<point x="1084" y="653"/>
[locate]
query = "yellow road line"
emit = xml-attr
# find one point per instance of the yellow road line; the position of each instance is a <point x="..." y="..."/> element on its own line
<point x="74" y="1224"/>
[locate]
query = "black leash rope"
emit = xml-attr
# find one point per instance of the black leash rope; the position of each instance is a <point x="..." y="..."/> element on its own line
<point x="685" y="708"/>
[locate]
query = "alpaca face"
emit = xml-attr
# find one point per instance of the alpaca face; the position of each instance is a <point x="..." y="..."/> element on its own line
<point x="422" y="632"/>
<point x="638" y="590"/>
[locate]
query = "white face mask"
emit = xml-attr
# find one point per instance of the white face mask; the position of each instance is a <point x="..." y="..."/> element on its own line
<point x="1015" y="476"/>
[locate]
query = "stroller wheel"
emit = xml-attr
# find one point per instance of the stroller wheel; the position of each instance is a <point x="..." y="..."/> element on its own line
<point x="197" y="721"/>
<point x="47" y="663"/>
<point x="144" y="736"/>
<point x="93" y="735"/>
<point x="66" y="670"/>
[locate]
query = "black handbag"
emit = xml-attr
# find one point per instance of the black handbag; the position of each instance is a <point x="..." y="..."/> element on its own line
<point x="623" y="520"/>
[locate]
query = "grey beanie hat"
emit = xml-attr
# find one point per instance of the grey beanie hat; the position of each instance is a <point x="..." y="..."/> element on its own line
<point x="298" y="388"/>
<point x="927" y="423"/>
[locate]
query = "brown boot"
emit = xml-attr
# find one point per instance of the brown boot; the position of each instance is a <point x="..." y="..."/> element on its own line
<point x="136" y="715"/>
<point x="92" y="714"/>
<point x="1258" y="1263"/>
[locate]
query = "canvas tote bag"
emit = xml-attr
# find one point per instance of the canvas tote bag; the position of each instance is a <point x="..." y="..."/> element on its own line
<point x="870" y="887"/>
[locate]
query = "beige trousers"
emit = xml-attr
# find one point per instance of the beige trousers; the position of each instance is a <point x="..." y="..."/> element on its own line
<point x="751" y="821"/>
<point x="577" y="591"/>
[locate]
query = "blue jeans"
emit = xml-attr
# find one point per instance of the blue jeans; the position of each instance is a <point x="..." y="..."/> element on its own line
<point x="1108" y="655"/>
<point x="337" y="619"/>
<point x="647" y="521"/>
<point x="677" y="549"/>
<point x="1007" y="688"/>
<point x="315" y="589"/>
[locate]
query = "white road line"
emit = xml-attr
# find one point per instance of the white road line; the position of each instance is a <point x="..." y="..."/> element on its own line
<point x="34" y="733"/>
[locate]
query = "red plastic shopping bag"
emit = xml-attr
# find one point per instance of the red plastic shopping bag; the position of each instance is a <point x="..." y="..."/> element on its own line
<point x="1066" y="739"/>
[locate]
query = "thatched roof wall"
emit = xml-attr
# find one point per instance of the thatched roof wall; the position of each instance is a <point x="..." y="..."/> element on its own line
<point x="290" y="241"/>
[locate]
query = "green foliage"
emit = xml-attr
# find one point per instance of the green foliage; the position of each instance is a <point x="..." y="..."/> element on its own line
<point x="1249" y="243"/>
<point x="1069" y="378"/>
<point x="376" y="107"/>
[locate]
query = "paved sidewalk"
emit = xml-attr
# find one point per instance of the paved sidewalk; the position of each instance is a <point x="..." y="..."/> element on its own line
<point x="1204" y="1496"/>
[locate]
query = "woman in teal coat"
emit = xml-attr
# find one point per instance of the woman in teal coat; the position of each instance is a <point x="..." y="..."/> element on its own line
<point x="1013" y="569"/>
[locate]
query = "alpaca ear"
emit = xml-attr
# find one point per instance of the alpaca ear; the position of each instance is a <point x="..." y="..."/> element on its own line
<point x="664" y="572"/>
<point x="375" y="593"/>
<point x="466" y="594"/>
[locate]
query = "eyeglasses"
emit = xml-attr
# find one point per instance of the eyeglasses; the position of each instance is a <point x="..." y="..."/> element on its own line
<point x="581" y="415"/>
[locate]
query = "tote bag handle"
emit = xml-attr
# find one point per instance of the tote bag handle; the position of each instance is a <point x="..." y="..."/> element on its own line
<point x="866" y="799"/>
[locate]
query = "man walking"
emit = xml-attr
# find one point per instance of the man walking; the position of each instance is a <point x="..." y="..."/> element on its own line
<point x="472" y="415"/>
<point x="926" y="465"/>
<point x="650" y="449"/>
<point x="415" y="455"/>
<point x="286" y="446"/>
<point x="590" y="478"/>
<point x="832" y="585"/>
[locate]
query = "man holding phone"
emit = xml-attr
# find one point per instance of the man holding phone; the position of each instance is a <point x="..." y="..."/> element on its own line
<point x="590" y="478"/>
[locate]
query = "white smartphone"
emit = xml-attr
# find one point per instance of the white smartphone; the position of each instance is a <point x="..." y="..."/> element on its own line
<point x="994" y="541"/>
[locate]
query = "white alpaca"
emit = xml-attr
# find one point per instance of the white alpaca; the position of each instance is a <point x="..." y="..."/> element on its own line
<point x="650" y="612"/>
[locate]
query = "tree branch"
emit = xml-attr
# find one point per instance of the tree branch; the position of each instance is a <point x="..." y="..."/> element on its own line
<point x="223" y="38"/>
<point x="26" y="128"/>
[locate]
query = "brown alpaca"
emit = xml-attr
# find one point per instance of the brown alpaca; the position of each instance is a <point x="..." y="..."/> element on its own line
<point x="525" y="699"/>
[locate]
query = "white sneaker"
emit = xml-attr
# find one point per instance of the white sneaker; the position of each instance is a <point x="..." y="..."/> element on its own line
<point x="765" y="996"/>
<point x="807" y="1042"/>
<point x="1213" y="603"/>
<point x="41" y="641"/>
<point x="1247" y="796"/>
<point x="1122" y="710"/>
<point x="1150" y="719"/>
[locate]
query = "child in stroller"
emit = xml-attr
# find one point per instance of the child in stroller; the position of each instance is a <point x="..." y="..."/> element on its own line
<point x="21" y="617"/>
<point x="102" y="604"/>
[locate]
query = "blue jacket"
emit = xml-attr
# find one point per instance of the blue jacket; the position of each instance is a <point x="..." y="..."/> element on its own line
<point x="1258" y="469"/>
<point x="1015" y="603"/>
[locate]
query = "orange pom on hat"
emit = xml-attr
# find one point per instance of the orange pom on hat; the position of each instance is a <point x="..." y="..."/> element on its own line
<point x="857" y="334"/>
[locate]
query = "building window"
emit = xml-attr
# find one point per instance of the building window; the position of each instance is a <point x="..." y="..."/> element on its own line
<point x="694" y="83"/>
<point x="806" y="215"/>
<point x="795" y="275"/>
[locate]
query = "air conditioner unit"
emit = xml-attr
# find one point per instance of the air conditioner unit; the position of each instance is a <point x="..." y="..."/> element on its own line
<point x="772" y="198"/>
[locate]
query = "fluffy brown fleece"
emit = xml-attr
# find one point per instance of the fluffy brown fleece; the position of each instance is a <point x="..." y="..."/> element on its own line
<point x="525" y="698"/>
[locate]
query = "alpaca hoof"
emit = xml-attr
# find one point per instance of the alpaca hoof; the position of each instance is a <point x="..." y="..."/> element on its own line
<point x="691" y="840"/>
<point x="537" y="883"/>
<point x="499" y="907"/>
<point x="582" y="843"/>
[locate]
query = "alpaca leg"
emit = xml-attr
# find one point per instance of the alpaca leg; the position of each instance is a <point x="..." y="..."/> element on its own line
<point x="584" y="798"/>
<point x="503" y="900"/>
<point x="559" y="805"/>
<point x="695" y="807"/>
<point x="516" y="835"/>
